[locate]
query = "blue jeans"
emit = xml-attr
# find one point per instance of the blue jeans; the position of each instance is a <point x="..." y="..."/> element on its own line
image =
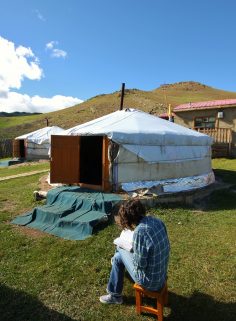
<point x="121" y="260"/>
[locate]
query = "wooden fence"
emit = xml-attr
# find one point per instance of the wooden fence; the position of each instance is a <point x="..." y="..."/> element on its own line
<point x="222" y="140"/>
<point x="5" y="148"/>
<point x="220" y="135"/>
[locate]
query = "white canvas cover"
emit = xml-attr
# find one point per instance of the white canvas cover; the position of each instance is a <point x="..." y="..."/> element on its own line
<point x="152" y="151"/>
<point x="37" y="143"/>
<point x="151" y="138"/>
<point x="42" y="135"/>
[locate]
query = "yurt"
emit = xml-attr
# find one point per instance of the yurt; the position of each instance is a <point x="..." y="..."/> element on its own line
<point x="35" y="145"/>
<point x="130" y="150"/>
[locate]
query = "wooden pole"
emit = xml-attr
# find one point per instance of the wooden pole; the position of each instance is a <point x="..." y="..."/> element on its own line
<point x="122" y="95"/>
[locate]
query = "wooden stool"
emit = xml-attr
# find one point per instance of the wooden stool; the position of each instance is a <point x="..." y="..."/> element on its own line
<point x="162" y="299"/>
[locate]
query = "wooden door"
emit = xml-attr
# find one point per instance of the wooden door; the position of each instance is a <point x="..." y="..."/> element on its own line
<point x="16" y="148"/>
<point x="65" y="159"/>
<point x="19" y="148"/>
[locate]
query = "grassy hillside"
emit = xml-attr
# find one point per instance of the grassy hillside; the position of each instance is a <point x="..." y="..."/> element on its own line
<point x="155" y="100"/>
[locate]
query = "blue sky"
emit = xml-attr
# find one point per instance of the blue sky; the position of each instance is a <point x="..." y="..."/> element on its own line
<point x="71" y="50"/>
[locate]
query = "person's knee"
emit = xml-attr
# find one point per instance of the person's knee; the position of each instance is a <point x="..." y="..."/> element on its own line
<point x="117" y="259"/>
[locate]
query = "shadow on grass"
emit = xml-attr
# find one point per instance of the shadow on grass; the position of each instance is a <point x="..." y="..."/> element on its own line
<point x="17" y="305"/>
<point x="225" y="175"/>
<point x="221" y="200"/>
<point x="198" y="307"/>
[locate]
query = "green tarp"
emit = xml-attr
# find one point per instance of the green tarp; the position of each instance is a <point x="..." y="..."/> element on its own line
<point x="70" y="212"/>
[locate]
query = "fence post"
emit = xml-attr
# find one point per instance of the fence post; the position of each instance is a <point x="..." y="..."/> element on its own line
<point x="5" y="148"/>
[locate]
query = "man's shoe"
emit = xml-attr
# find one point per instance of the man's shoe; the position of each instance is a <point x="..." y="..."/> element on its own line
<point x="111" y="299"/>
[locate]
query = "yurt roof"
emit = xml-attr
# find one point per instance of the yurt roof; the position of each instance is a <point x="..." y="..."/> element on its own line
<point x="132" y="126"/>
<point x="42" y="135"/>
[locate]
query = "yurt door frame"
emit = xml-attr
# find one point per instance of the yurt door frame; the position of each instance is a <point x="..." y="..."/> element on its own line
<point x="81" y="160"/>
<point x="19" y="149"/>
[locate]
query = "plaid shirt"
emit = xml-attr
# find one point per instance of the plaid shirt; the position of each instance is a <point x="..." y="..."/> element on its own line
<point x="150" y="253"/>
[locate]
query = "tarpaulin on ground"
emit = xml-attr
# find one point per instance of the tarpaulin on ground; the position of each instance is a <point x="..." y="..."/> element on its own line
<point x="70" y="212"/>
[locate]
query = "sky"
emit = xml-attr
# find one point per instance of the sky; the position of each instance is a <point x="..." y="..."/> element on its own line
<point x="55" y="54"/>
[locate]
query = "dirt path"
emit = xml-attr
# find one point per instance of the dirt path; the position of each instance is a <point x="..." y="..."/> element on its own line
<point x="23" y="174"/>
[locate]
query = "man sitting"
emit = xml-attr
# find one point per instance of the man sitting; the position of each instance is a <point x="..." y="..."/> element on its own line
<point x="148" y="263"/>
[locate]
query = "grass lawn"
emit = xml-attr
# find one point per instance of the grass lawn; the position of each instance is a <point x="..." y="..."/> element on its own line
<point x="23" y="168"/>
<point x="47" y="278"/>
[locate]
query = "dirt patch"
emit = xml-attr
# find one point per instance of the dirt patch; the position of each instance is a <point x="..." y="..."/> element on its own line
<point x="28" y="231"/>
<point x="43" y="184"/>
<point x="30" y="163"/>
<point x="7" y="206"/>
<point x="22" y="175"/>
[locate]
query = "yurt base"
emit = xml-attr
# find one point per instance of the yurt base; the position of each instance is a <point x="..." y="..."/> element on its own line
<point x="192" y="197"/>
<point x="187" y="197"/>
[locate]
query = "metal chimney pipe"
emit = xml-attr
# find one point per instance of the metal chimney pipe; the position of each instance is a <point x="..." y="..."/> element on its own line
<point x="122" y="95"/>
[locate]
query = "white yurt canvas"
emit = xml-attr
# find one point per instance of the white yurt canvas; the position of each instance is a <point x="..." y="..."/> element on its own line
<point x="35" y="145"/>
<point x="146" y="151"/>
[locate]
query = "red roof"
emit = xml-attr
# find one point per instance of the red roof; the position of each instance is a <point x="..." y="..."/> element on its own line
<point x="205" y="104"/>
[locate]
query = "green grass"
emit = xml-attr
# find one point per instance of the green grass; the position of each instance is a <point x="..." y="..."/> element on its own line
<point x="47" y="278"/>
<point x="223" y="169"/>
<point x="6" y="122"/>
<point x="23" y="168"/>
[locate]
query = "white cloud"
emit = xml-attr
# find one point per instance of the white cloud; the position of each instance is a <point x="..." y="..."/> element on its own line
<point x="17" y="63"/>
<point x="51" y="44"/>
<point x="23" y="51"/>
<point x="59" y="53"/>
<point x="55" y="52"/>
<point x="39" y="15"/>
<point x="24" y="103"/>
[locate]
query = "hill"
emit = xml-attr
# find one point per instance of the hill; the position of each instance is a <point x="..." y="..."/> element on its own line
<point x="155" y="101"/>
<point x="16" y="113"/>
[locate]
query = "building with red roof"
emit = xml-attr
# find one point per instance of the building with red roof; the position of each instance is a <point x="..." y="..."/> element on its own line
<point x="216" y="118"/>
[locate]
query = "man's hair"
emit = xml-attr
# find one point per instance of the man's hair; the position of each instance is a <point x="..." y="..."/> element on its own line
<point x="130" y="214"/>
